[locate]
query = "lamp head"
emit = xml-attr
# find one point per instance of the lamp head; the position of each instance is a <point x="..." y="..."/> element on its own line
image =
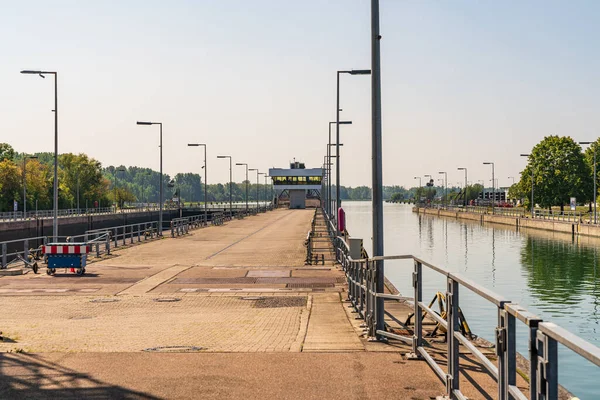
<point x="360" y="72"/>
<point x="143" y="123"/>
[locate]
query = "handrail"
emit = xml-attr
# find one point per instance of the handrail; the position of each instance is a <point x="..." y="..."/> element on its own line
<point x="361" y="276"/>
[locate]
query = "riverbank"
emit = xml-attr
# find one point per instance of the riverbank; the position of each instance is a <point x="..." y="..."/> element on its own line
<point x="573" y="228"/>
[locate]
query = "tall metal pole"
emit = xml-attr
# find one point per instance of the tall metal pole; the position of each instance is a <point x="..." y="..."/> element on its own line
<point x="205" y="189"/>
<point x="466" y="188"/>
<point x="77" y="191"/>
<point x="257" y="184"/>
<point x="376" y="158"/>
<point x="532" y="203"/>
<point x="329" y="172"/>
<point x="230" y="187"/>
<point x="338" y="203"/>
<point x="160" y="206"/>
<point x="595" y="192"/>
<point x="493" y="190"/>
<point x="245" y="164"/>
<point x="55" y="219"/>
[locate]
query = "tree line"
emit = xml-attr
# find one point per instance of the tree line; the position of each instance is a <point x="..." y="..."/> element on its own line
<point x="85" y="181"/>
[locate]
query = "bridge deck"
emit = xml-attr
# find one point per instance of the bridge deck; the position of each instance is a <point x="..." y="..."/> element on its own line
<point x="240" y="291"/>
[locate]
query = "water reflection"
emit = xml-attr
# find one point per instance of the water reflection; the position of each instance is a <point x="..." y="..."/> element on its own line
<point x="559" y="272"/>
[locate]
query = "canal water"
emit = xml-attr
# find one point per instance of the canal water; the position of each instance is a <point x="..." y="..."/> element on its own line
<point x="553" y="275"/>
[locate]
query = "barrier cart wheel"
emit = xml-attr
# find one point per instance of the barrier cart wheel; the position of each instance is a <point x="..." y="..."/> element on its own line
<point x="34" y="267"/>
<point x="51" y="271"/>
<point x="80" y="271"/>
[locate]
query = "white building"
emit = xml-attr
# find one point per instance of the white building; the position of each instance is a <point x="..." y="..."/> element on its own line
<point x="297" y="183"/>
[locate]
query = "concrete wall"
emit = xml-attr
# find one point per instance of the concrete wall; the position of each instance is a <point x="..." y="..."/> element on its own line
<point x="571" y="228"/>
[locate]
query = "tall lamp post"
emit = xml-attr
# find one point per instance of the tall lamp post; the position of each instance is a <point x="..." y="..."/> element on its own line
<point x="25" y="158"/>
<point x="377" y="163"/>
<point x="160" y="200"/>
<point x="262" y="173"/>
<point x="428" y="182"/>
<point x="329" y="162"/>
<point x="532" y="203"/>
<point x="445" y="187"/>
<point x="246" y="182"/>
<point x="42" y="74"/>
<point x="230" y="184"/>
<point x="466" y="184"/>
<point x="337" y="135"/>
<point x="493" y="184"/>
<point x="418" y="191"/>
<point x="595" y="192"/>
<point x="257" y="173"/>
<point x="205" y="173"/>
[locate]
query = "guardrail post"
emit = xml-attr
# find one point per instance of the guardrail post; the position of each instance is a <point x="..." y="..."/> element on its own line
<point x="26" y="249"/>
<point x="124" y="235"/>
<point x="547" y="371"/>
<point x="506" y="352"/>
<point x="97" y="250"/>
<point x="418" y="330"/>
<point x="139" y="232"/>
<point x="131" y="233"/>
<point x="452" y="378"/>
<point x="172" y="229"/>
<point x="116" y="238"/>
<point x="4" y="255"/>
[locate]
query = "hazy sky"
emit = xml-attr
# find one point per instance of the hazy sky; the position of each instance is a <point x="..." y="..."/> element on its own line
<point x="463" y="81"/>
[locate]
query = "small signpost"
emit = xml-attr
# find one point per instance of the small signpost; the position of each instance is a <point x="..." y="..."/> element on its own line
<point x="573" y="203"/>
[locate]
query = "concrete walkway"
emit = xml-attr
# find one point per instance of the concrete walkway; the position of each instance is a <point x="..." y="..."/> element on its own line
<point x="252" y="319"/>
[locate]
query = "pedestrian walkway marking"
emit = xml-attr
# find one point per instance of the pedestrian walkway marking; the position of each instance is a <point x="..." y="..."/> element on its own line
<point x="155" y="280"/>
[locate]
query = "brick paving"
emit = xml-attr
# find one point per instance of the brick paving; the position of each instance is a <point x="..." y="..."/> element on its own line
<point x="134" y="323"/>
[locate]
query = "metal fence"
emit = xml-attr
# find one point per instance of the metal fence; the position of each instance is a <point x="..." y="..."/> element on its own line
<point x="566" y="216"/>
<point x="13" y="250"/>
<point x="543" y="336"/>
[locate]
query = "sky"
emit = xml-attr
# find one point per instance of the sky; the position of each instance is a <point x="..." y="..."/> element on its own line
<point x="463" y="82"/>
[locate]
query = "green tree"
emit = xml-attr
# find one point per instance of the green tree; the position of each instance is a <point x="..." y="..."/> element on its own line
<point x="6" y="152"/>
<point x="10" y="184"/>
<point x="397" y="197"/>
<point x="559" y="172"/>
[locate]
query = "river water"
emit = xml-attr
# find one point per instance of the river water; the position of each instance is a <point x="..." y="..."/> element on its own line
<point x="550" y="274"/>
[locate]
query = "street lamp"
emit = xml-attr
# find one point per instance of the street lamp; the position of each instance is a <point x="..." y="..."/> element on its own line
<point x="445" y="186"/>
<point x="418" y="191"/>
<point x="246" y="183"/>
<point x="160" y="200"/>
<point x="205" y="173"/>
<point x="337" y="135"/>
<point x="261" y="173"/>
<point x="42" y="74"/>
<point x="230" y="184"/>
<point x="493" y="184"/>
<point x="513" y="179"/>
<point x="532" y="203"/>
<point x="595" y="192"/>
<point x="329" y="160"/>
<point x="25" y="158"/>
<point x="257" y="173"/>
<point x="466" y="184"/>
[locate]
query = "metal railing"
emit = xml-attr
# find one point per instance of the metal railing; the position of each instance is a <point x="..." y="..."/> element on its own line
<point x="182" y="226"/>
<point x="566" y="216"/>
<point x="543" y="336"/>
<point x="13" y="249"/>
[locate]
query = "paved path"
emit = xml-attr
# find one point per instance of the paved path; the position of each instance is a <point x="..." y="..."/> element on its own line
<point x="258" y="322"/>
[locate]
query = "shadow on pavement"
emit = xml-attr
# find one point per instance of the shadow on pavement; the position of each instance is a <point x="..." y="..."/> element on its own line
<point x="27" y="376"/>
